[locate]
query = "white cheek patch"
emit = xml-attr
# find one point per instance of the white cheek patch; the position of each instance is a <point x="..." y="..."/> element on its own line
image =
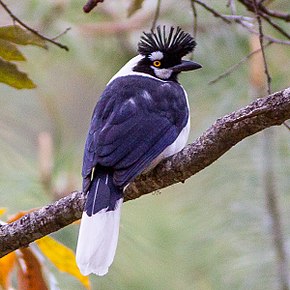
<point x="162" y="73"/>
<point x="156" y="55"/>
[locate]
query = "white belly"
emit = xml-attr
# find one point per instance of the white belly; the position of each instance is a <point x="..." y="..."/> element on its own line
<point x="174" y="148"/>
<point x="178" y="144"/>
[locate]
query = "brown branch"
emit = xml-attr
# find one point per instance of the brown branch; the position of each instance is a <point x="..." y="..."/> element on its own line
<point x="218" y="139"/>
<point x="212" y="11"/>
<point x="261" y="38"/>
<point x="276" y="26"/>
<point x="275" y="14"/>
<point x="238" y="19"/>
<point x="90" y="5"/>
<point x="259" y="9"/>
<point x="272" y="13"/>
<point x="16" y="19"/>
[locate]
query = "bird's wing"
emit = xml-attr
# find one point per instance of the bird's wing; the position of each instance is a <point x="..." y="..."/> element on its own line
<point x="128" y="131"/>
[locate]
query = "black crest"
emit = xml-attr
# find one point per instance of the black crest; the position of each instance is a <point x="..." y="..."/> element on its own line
<point x="176" y="42"/>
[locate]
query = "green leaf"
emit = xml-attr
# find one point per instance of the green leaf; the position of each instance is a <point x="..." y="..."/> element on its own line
<point x="135" y="6"/>
<point x="10" y="75"/>
<point x="9" y="51"/>
<point x="18" y="35"/>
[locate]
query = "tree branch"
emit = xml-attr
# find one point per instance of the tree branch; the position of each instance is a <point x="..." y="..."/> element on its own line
<point x="213" y="143"/>
<point x="52" y="40"/>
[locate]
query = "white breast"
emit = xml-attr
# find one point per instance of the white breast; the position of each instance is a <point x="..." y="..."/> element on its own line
<point x="177" y="145"/>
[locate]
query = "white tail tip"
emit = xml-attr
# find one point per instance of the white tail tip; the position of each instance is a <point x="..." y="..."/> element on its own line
<point x="97" y="241"/>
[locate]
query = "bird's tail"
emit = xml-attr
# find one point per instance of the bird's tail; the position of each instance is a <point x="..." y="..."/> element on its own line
<point x="99" y="230"/>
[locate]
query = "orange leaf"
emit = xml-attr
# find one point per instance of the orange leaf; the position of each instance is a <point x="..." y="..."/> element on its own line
<point x="6" y="266"/>
<point x="30" y="276"/>
<point x="62" y="257"/>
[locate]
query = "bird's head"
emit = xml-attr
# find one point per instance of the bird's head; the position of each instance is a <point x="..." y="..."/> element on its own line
<point x="162" y="52"/>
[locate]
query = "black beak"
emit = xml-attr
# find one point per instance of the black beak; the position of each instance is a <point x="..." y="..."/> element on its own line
<point x="186" y="65"/>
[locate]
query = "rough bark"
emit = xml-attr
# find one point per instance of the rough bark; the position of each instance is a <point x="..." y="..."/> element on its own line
<point x="213" y="143"/>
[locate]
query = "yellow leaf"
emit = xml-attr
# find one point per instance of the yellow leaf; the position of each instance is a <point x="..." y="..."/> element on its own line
<point x="10" y="75"/>
<point x="19" y="35"/>
<point x="9" y="51"/>
<point x="62" y="257"/>
<point x="30" y="276"/>
<point x="6" y="266"/>
<point x="2" y="210"/>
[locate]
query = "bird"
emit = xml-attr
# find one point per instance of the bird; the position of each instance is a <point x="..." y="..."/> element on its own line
<point x="141" y="118"/>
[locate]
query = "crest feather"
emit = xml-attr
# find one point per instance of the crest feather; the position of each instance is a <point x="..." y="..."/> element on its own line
<point x="176" y="42"/>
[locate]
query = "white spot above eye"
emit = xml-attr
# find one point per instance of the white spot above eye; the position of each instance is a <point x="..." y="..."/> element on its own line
<point x="162" y="73"/>
<point x="156" y="55"/>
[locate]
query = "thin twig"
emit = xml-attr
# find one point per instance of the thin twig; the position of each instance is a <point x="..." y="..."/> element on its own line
<point x="194" y="13"/>
<point x="238" y="17"/>
<point x="267" y="14"/>
<point x="16" y="19"/>
<point x="261" y="38"/>
<point x="62" y="33"/>
<point x="269" y="38"/>
<point x="235" y="66"/>
<point x="211" y="10"/>
<point x="275" y="26"/>
<point x="276" y="14"/>
<point x="232" y="5"/>
<point x="156" y="16"/>
<point x="241" y="22"/>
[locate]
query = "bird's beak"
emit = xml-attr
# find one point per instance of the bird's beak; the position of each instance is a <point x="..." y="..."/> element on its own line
<point x="186" y="65"/>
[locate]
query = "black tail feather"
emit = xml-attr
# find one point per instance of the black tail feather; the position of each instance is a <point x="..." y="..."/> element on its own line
<point x="102" y="193"/>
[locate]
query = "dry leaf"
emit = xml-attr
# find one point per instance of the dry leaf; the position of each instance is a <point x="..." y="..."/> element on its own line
<point x="30" y="276"/>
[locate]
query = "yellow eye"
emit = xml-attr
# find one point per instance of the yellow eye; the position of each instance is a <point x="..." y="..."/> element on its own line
<point x="157" y="63"/>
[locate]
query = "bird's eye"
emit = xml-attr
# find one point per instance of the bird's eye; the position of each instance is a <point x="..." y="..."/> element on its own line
<point x="157" y="63"/>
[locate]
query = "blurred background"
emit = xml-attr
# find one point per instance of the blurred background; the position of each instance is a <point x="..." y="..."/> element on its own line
<point x="214" y="231"/>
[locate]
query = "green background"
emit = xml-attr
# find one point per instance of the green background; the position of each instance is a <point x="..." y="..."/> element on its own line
<point x="213" y="232"/>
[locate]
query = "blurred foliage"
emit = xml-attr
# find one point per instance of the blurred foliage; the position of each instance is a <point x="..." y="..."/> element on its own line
<point x="134" y="7"/>
<point x="30" y="264"/>
<point x="10" y="36"/>
<point x="212" y="232"/>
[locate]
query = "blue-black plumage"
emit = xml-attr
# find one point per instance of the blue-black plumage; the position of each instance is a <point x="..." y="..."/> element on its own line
<point x="133" y="122"/>
<point x="141" y="118"/>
